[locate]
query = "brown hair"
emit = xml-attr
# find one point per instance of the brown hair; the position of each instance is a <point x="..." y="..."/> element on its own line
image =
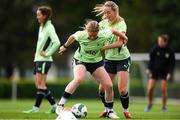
<point x="45" y="11"/>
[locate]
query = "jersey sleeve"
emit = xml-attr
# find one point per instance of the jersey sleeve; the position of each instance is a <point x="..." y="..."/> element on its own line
<point x="54" y="40"/>
<point x="78" y="35"/>
<point x="107" y="33"/>
<point x="123" y="27"/>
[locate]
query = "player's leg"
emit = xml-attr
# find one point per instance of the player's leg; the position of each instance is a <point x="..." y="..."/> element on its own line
<point x="164" y="94"/>
<point x="123" y="77"/>
<point x="40" y="85"/>
<point x="151" y="85"/>
<point x="102" y="96"/>
<point x="101" y="76"/>
<point x="111" y="69"/>
<point x="79" y="75"/>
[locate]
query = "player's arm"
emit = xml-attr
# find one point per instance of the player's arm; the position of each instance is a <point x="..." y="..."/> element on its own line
<point x="55" y="43"/>
<point x="122" y="40"/>
<point x="69" y="41"/>
<point x="119" y="34"/>
<point x="171" y="64"/>
<point x="116" y="44"/>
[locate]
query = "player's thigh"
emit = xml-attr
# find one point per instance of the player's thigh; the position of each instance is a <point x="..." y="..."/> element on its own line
<point x="79" y="72"/>
<point x="101" y="76"/>
<point x="152" y="83"/>
<point x="163" y="84"/>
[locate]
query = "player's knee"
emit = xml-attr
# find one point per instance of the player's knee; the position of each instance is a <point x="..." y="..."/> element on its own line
<point x="123" y="92"/>
<point x="109" y="86"/>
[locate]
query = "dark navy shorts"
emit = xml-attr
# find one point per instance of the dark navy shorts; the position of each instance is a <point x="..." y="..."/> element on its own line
<point x="158" y="75"/>
<point x="90" y="67"/>
<point x="114" y="66"/>
<point x="42" y="67"/>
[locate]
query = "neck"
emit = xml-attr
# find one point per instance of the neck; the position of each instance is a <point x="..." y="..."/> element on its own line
<point x="115" y="20"/>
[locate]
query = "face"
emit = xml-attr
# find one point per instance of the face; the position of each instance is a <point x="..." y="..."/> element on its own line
<point x="161" y="42"/>
<point x="92" y="35"/>
<point x="40" y="17"/>
<point x="109" y="13"/>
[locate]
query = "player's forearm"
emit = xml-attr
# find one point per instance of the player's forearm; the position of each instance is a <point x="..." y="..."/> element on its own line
<point x="69" y="41"/>
<point x="119" y="34"/>
<point x="53" y="48"/>
<point x="116" y="44"/>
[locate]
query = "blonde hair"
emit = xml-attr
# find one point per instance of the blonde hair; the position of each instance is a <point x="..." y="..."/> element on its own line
<point x="91" y="26"/>
<point x="165" y="37"/>
<point x="99" y="9"/>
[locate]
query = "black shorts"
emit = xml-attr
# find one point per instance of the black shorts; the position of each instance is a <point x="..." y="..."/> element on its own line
<point x="90" y="67"/>
<point x="114" y="66"/>
<point x="158" y="75"/>
<point x="42" y="67"/>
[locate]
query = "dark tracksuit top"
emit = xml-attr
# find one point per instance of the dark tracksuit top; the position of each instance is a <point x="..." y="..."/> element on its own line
<point x="162" y="60"/>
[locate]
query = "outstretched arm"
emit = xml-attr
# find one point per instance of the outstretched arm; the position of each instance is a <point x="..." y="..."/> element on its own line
<point x="63" y="48"/>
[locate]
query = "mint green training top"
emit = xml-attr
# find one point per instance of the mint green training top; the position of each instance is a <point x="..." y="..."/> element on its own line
<point x="90" y="50"/>
<point x="47" y="41"/>
<point x="115" y="53"/>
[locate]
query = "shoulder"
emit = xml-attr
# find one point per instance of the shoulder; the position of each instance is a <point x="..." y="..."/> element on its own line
<point x="170" y="49"/>
<point x="80" y="35"/>
<point x="154" y="48"/>
<point x="103" y="22"/>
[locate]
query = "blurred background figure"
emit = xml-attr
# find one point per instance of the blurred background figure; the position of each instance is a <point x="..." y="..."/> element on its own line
<point x="47" y="44"/>
<point x="160" y="67"/>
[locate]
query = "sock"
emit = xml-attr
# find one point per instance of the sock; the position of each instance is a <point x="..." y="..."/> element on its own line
<point x="109" y="106"/>
<point x="40" y="94"/>
<point x="49" y="97"/>
<point x="64" y="98"/>
<point x="125" y="101"/>
<point x="102" y="96"/>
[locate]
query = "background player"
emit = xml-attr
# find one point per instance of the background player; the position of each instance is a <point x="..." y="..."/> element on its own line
<point x="161" y="65"/>
<point x="47" y="44"/>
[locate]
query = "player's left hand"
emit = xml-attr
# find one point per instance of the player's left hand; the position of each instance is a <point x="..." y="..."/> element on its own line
<point x="43" y="53"/>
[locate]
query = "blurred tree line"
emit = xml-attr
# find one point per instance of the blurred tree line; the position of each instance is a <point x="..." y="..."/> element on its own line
<point x="19" y="28"/>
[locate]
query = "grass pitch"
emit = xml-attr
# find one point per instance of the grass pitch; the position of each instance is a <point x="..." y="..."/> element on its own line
<point x="13" y="110"/>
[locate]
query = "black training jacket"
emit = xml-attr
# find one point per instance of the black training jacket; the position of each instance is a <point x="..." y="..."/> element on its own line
<point x="161" y="59"/>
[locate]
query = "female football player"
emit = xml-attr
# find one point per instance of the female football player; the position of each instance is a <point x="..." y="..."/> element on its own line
<point x="47" y="44"/>
<point x="160" y="67"/>
<point x="88" y="57"/>
<point x="117" y="60"/>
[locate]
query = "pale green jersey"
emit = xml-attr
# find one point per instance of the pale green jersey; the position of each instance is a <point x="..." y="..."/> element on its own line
<point x="115" y="53"/>
<point x="89" y="51"/>
<point x="47" y="41"/>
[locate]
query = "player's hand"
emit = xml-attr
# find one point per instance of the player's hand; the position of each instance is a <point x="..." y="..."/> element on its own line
<point x="43" y="53"/>
<point x="148" y="72"/>
<point x="103" y="48"/>
<point x="125" y="42"/>
<point x="62" y="49"/>
<point x="168" y="76"/>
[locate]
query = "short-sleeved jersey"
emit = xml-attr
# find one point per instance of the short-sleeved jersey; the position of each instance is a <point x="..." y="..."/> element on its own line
<point x="115" y="53"/>
<point x="90" y="50"/>
<point x="47" y="41"/>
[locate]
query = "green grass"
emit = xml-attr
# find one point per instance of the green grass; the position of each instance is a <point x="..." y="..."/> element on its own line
<point x="13" y="110"/>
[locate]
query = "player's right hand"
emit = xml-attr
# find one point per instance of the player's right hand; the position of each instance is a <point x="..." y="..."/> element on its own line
<point x="62" y="49"/>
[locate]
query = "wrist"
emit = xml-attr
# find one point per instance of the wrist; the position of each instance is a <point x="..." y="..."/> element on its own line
<point x="65" y="46"/>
